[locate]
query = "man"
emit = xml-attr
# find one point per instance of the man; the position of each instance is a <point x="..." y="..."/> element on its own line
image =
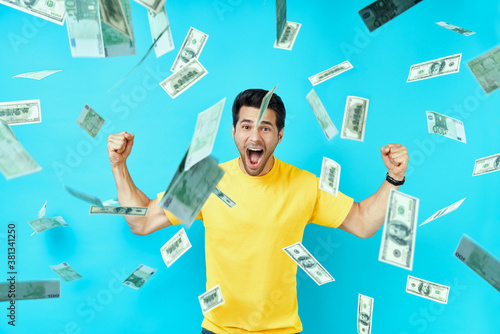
<point x="275" y="201"/>
<point x="424" y="288"/>
<point x="398" y="232"/>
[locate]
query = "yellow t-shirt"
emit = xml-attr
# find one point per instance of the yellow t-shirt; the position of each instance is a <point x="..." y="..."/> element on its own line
<point x="243" y="245"/>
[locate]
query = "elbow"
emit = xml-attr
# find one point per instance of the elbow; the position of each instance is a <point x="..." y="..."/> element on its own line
<point x="366" y="234"/>
<point x="138" y="231"/>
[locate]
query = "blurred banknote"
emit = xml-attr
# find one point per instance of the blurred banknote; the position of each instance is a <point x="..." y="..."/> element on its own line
<point x="422" y="288"/>
<point x="118" y="210"/>
<point x="90" y="121"/>
<point x="154" y="6"/>
<point x="41" y="213"/>
<point x="175" y="247"/>
<point x="486" y="70"/>
<point x="435" y="68"/>
<point x="365" y="311"/>
<point x="487" y="165"/>
<point x="444" y="211"/>
<point x="280" y="18"/>
<point x="191" y="48"/>
<point x="288" y="37"/>
<point x="30" y="290"/>
<point x="113" y="15"/>
<point x="264" y="104"/>
<point x="52" y="10"/>
<point x="66" y="272"/>
<point x="446" y="126"/>
<point x="38" y="75"/>
<point x="322" y="116"/>
<point x="211" y="299"/>
<point x="140" y="276"/>
<point x="14" y="159"/>
<point x="163" y="38"/>
<point x="308" y="263"/>
<point x="330" y="73"/>
<point x="21" y="112"/>
<point x="400" y="229"/>
<point x="85" y="197"/>
<point x="380" y="12"/>
<point x="330" y="176"/>
<point x="223" y="197"/>
<point x="354" y="123"/>
<point x="483" y="263"/>
<point x="181" y="80"/>
<point x="454" y="28"/>
<point x="45" y="223"/>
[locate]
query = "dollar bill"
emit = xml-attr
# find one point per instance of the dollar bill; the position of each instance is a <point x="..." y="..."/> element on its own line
<point x="454" y="28"/>
<point x="400" y="230"/>
<point x="308" y="263"/>
<point x="66" y="272"/>
<point x="365" y="312"/>
<point x="191" y="48"/>
<point x="264" y="104"/>
<point x="160" y="32"/>
<point x="478" y="259"/>
<point x="181" y="80"/>
<point x="322" y="116"/>
<point x="330" y="73"/>
<point x="435" y="68"/>
<point x="154" y="6"/>
<point x="15" y="161"/>
<point x="21" y="112"/>
<point x="38" y="75"/>
<point x="112" y="14"/>
<point x="422" y="288"/>
<point x="280" y="18"/>
<point x="90" y="121"/>
<point x="446" y="126"/>
<point x="486" y="70"/>
<point x="353" y="127"/>
<point x="173" y="249"/>
<point x="211" y="299"/>
<point x="52" y="10"/>
<point x="204" y="135"/>
<point x="487" y="165"/>
<point x="45" y="223"/>
<point x="85" y="197"/>
<point x="41" y="213"/>
<point x="330" y="176"/>
<point x="380" y="12"/>
<point x="140" y="276"/>
<point x="444" y="211"/>
<point x="287" y="39"/>
<point x="119" y="210"/>
<point x="25" y="290"/>
<point x="223" y="197"/>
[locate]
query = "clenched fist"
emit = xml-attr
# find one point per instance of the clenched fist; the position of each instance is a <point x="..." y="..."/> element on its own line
<point x="395" y="159"/>
<point x="119" y="147"/>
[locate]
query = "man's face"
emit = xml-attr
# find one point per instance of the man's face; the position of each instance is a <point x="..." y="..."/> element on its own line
<point x="397" y="231"/>
<point x="256" y="145"/>
<point x="426" y="289"/>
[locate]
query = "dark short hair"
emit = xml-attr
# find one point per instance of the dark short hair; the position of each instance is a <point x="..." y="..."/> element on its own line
<point x="253" y="98"/>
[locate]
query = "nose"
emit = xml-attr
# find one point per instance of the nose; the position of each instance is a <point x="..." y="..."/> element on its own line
<point x="255" y="135"/>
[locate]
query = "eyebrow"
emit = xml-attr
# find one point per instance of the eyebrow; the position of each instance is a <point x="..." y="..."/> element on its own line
<point x="261" y="122"/>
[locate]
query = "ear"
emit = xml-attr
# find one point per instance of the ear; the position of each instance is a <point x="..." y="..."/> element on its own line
<point x="280" y="135"/>
<point x="234" y="131"/>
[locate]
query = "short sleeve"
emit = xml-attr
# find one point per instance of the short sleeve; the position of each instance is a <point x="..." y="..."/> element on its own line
<point x="173" y="219"/>
<point x="330" y="210"/>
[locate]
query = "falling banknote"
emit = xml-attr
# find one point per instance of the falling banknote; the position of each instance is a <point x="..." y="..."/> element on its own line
<point x="45" y="223"/>
<point x="191" y="48"/>
<point x="85" y="197"/>
<point x="119" y="210"/>
<point x="31" y="290"/>
<point x="487" y="165"/>
<point x="287" y="39"/>
<point x="308" y="263"/>
<point x="330" y="73"/>
<point x="380" y="12"/>
<point x="365" y="312"/>
<point x="163" y="38"/>
<point x="435" y="68"/>
<point x="264" y="104"/>
<point x="184" y="78"/>
<point x="140" y="276"/>
<point x="353" y="127"/>
<point x="90" y="121"/>
<point x="330" y="176"/>
<point x="322" y="116"/>
<point x="38" y="75"/>
<point x="175" y="247"/>
<point x="444" y="211"/>
<point x="21" y="112"/>
<point x="224" y="198"/>
<point x="211" y="299"/>
<point x="398" y="239"/>
<point x="486" y="70"/>
<point x="422" y="288"/>
<point x="454" y="28"/>
<point x="66" y="272"/>
<point x="153" y="6"/>
<point x="280" y="18"/>
<point x="446" y="126"/>
<point x="52" y="10"/>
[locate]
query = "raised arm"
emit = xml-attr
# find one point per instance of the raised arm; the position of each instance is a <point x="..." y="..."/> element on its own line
<point x="119" y="148"/>
<point x="367" y="216"/>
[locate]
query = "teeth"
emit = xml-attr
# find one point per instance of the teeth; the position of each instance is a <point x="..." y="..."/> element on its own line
<point x="255" y="149"/>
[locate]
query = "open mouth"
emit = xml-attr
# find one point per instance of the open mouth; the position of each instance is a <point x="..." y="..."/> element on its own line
<point x="254" y="156"/>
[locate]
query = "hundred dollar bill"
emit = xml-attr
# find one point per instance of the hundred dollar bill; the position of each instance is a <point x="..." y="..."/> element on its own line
<point x="365" y="311"/>
<point x="330" y="176"/>
<point x="173" y="249"/>
<point x="204" y="135"/>
<point x="66" y="272"/>
<point x="308" y="263"/>
<point x="435" y="68"/>
<point x="353" y="127"/>
<point x="478" y="259"/>
<point x="400" y="229"/>
<point x="223" y="197"/>
<point x="280" y="18"/>
<point x="41" y="213"/>
<point x="90" y="121"/>
<point x="181" y="80"/>
<point x="14" y="159"/>
<point x="264" y="104"/>
<point x="140" y="276"/>
<point x="446" y="126"/>
<point x="160" y="31"/>
<point x="322" y="116"/>
<point x="330" y="73"/>
<point x="45" y="223"/>
<point x="486" y="70"/>
<point x="30" y="290"/>
<point x="52" y="10"/>
<point x="288" y="37"/>
<point x="154" y="6"/>
<point x="211" y="299"/>
<point x="85" y="197"/>
<point x="113" y="15"/>
<point x="191" y="48"/>
<point x="454" y="28"/>
<point x="444" y="211"/>
<point x="487" y="165"/>
<point x="380" y="12"/>
<point x="38" y="75"/>
<point x="21" y="112"/>
<point x="422" y="288"/>
<point x="119" y="210"/>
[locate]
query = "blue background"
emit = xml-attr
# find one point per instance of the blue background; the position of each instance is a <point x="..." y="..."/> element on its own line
<point x="239" y="54"/>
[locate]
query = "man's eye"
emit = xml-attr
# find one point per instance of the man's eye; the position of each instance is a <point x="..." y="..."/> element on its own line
<point x="246" y="127"/>
<point x="265" y="129"/>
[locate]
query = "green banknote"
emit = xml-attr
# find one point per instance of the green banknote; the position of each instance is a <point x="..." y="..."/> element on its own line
<point x="14" y="290"/>
<point x="45" y="223"/>
<point x="140" y="276"/>
<point x="486" y="70"/>
<point x="264" y="104"/>
<point x="380" y="12"/>
<point x="66" y="272"/>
